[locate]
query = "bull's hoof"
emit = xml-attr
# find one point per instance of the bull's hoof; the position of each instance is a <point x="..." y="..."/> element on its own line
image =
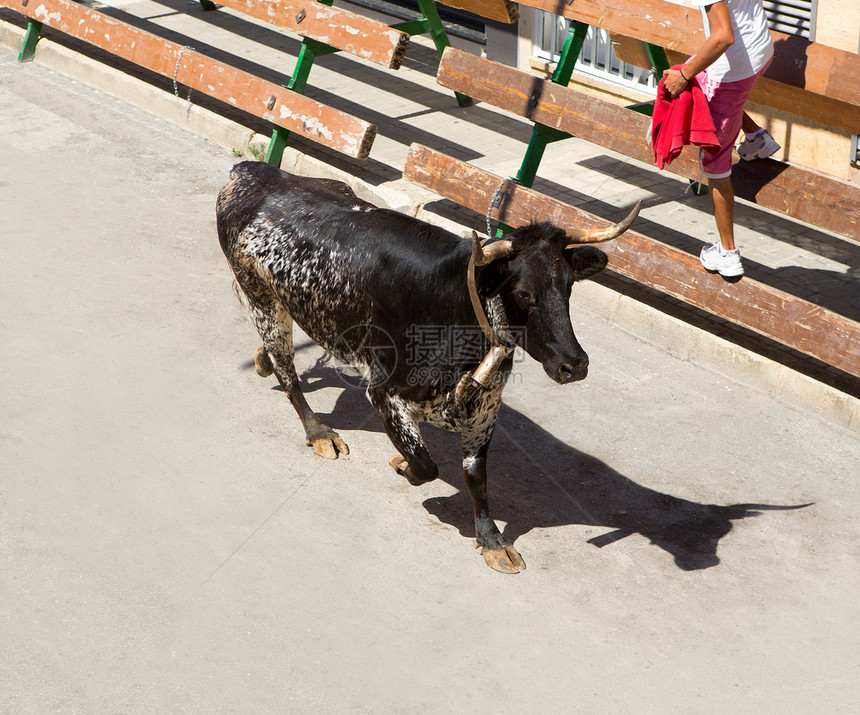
<point x="327" y="443"/>
<point x="398" y="464"/>
<point x="505" y="559"/>
<point x="401" y="466"/>
<point x="262" y="364"/>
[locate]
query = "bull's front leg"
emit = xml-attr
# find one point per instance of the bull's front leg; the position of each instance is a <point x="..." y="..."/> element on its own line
<point x="414" y="461"/>
<point x="498" y="554"/>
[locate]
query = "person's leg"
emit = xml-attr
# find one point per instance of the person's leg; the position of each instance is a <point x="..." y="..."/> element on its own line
<point x="723" y="199"/>
<point x="749" y="125"/>
<point x="727" y="110"/>
<point x="757" y="143"/>
<point x="722" y="256"/>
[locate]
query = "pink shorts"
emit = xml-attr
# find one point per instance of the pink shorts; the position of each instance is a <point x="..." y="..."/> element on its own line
<point x="726" y="101"/>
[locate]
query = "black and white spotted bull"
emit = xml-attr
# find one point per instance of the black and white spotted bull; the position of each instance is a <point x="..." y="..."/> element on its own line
<point x="370" y="285"/>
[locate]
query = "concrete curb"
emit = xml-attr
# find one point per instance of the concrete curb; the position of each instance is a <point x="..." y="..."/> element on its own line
<point x="746" y="368"/>
<point x="677" y="338"/>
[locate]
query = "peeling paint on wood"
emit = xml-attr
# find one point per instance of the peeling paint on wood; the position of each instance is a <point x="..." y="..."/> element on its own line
<point x="361" y="36"/>
<point x="307" y="117"/>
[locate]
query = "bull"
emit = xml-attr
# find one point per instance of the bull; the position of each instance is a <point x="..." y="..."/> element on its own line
<point x="364" y="282"/>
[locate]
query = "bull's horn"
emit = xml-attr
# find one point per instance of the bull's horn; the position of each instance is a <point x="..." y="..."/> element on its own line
<point x="483" y="255"/>
<point x="578" y="236"/>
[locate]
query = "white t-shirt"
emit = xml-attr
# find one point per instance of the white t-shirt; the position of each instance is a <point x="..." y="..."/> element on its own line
<point x="753" y="46"/>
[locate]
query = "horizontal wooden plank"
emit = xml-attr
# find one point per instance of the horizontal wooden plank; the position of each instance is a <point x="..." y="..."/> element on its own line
<point x="675" y="27"/>
<point x="801" y="193"/>
<point x="815" y="107"/>
<point x="797" y="62"/>
<point x="630" y="50"/>
<point x="832" y="113"/>
<point x="369" y="39"/>
<point x="498" y="10"/>
<point x="791" y="321"/>
<point x="318" y="122"/>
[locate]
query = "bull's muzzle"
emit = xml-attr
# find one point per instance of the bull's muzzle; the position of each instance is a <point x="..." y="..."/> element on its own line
<point x="571" y="369"/>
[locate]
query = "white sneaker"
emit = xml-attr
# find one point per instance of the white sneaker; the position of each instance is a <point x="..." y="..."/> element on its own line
<point x="763" y="146"/>
<point x="726" y="263"/>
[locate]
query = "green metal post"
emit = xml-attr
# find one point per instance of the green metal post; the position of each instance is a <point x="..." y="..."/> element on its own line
<point x="440" y="38"/>
<point x="277" y="144"/>
<point x="659" y="64"/>
<point x="570" y="53"/>
<point x="420" y="26"/>
<point x="310" y="49"/>
<point x="543" y="135"/>
<point x="657" y="58"/>
<point x="31" y="37"/>
<point x="437" y="31"/>
<point x="304" y="63"/>
<point x="298" y="82"/>
<point x="646" y="108"/>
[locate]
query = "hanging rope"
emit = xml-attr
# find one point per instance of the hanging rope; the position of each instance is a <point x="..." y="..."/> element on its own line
<point x="497" y="201"/>
<point x="176" y="72"/>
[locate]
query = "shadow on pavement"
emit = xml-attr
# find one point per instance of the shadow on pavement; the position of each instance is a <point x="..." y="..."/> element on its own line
<point x="538" y="481"/>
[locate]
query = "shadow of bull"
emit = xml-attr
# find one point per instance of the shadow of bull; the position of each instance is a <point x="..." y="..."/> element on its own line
<point x="539" y="481"/>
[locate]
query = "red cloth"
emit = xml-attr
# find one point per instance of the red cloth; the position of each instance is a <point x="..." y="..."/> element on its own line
<point x="678" y="122"/>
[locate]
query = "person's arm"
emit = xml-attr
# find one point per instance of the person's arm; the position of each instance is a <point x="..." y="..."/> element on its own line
<point x="720" y="39"/>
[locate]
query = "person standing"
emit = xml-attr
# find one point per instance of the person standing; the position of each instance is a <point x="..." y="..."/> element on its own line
<point x="736" y="52"/>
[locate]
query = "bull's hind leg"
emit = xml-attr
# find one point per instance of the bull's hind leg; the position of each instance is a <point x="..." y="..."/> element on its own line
<point x="275" y="326"/>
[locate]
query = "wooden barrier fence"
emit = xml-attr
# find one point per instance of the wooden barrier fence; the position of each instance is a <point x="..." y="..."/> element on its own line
<point x="280" y="106"/>
<point x="791" y="321"/>
<point x="555" y="108"/>
<point x="799" y="192"/>
<point x="326" y="29"/>
<point x="816" y="80"/>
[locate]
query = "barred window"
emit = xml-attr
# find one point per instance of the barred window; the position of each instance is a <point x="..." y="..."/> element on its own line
<point x="792" y="17"/>
<point x="597" y="57"/>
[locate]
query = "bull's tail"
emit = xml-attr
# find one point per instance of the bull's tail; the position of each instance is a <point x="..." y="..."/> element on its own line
<point x="240" y="295"/>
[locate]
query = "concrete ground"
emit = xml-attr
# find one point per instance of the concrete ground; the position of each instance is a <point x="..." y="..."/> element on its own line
<point x="169" y="544"/>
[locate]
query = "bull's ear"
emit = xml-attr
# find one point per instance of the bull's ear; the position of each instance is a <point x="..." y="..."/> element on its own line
<point x="491" y="277"/>
<point x="586" y="261"/>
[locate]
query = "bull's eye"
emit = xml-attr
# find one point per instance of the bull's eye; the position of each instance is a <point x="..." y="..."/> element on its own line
<point x="524" y="299"/>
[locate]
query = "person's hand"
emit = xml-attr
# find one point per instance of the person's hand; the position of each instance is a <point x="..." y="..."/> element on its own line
<point x="674" y="82"/>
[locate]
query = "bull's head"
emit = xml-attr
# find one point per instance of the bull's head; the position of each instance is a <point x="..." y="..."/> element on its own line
<point x="527" y="278"/>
